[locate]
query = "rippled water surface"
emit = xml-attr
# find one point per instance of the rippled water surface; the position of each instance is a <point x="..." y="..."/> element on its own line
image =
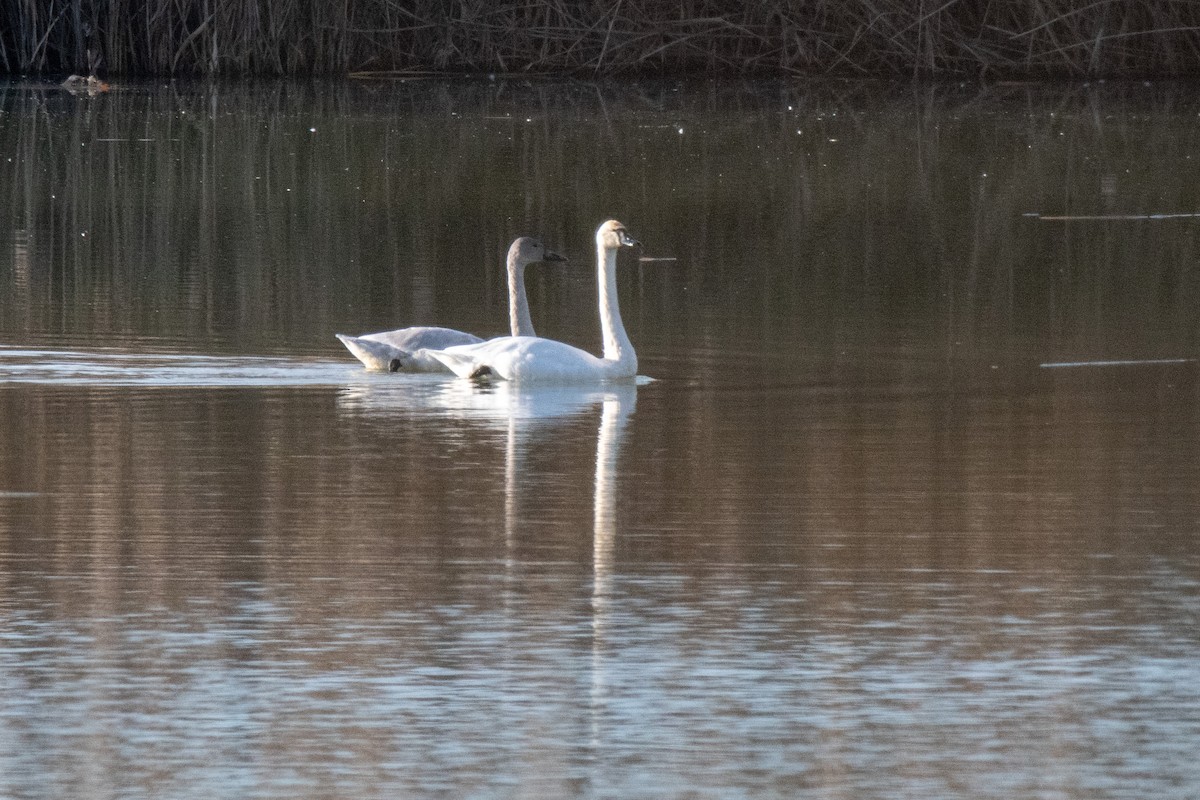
<point x="906" y="506"/>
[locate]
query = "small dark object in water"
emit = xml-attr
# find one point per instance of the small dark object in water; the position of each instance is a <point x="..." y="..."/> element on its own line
<point x="395" y="365"/>
<point x="482" y="373"/>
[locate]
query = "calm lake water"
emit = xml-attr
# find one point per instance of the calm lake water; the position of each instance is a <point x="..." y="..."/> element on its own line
<point x="854" y="540"/>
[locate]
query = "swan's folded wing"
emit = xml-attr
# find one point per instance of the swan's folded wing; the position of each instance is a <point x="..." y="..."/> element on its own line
<point x="410" y="340"/>
<point x="373" y="354"/>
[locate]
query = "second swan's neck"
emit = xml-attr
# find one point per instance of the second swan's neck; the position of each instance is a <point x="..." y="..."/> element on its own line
<point x="519" y="321"/>
<point x="617" y="347"/>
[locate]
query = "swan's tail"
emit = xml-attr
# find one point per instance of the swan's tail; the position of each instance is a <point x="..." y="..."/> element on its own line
<point x="461" y="364"/>
<point x="375" y="355"/>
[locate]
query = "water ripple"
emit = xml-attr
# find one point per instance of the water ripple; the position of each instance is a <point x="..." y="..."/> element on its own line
<point x="170" y="370"/>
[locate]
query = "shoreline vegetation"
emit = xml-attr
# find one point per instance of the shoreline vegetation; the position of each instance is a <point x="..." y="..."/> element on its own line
<point x="1015" y="39"/>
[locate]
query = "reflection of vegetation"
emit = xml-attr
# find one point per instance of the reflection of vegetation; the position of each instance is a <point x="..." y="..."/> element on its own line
<point x="896" y="37"/>
<point x="272" y="216"/>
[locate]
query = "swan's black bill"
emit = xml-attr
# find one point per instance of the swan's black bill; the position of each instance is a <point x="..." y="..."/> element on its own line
<point x="554" y="257"/>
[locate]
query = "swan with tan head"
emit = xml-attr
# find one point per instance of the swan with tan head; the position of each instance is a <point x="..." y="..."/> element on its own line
<point x="399" y="350"/>
<point x="536" y="360"/>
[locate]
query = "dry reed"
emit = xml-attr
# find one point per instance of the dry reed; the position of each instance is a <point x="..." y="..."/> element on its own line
<point x="1017" y="38"/>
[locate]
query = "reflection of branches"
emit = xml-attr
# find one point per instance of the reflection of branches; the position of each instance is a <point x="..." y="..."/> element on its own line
<point x="290" y="207"/>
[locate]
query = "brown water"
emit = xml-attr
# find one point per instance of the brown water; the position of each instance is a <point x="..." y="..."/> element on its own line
<point x="852" y="541"/>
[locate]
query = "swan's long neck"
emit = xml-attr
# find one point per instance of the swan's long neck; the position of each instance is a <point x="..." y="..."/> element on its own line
<point x="617" y="347"/>
<point x="519" y="321"/>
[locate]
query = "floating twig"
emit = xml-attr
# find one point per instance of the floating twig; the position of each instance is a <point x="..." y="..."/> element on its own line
<point x="1147" y="362"/>
<point x="1112" y="217"/>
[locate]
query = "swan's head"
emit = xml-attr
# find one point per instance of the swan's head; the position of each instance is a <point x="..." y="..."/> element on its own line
<point x="528" y="250"/>
<point x="612" y="236"/>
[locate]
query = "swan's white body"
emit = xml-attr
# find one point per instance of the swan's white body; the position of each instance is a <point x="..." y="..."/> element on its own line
<point x="399" y="350"/>
<point x="536" y="360"/>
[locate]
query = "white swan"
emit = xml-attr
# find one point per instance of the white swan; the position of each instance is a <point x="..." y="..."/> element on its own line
<point x="531" y="359"/>
<point x="397" y="351"/>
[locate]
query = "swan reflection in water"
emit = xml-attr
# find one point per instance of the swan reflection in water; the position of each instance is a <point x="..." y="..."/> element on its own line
<point x="617" y="403"/>
<point x="528" y="414"/>
<point x="614" y="419"/>
<point x="489" y="404"/>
